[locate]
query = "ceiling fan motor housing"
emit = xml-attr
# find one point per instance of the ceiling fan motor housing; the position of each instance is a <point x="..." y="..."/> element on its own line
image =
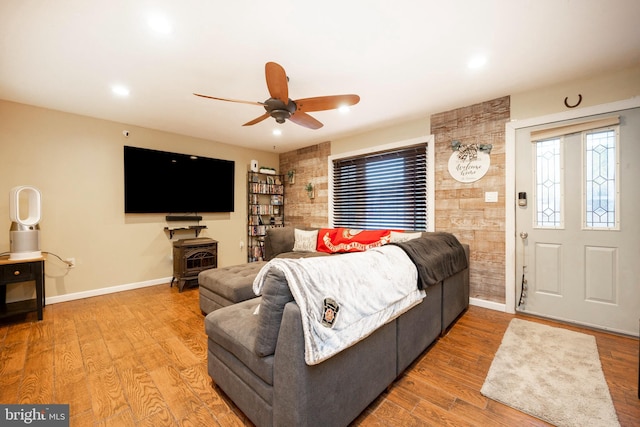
<point x="279" y="110"/>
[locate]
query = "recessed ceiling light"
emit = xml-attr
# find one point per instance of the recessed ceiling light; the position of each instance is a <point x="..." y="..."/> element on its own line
<point x="160" y="24"/>
<point x="120" y="90"/>
<point x="477" y="61"/>
<point x="277" y="132"/>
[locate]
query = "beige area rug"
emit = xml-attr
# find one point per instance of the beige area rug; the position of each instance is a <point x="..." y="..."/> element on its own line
<point x="552" y="374"/>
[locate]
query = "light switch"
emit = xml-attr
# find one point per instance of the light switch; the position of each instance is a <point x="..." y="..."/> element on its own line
<point x="491" y="196"/>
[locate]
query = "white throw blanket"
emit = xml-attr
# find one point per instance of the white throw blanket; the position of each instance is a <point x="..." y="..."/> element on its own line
<point x="369" y="288"/>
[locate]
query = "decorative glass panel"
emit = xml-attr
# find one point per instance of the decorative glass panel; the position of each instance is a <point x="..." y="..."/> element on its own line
<point x="548" y="183"/>
<point x="600" y="179"/>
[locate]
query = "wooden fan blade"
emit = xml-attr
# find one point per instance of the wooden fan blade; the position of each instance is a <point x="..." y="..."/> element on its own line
<point x="321" y="103"/>
<point x="257" y="120"/>
<point x="277" y="81"/>
<point x="303" y="119"/>
<point x="230" y="100"/>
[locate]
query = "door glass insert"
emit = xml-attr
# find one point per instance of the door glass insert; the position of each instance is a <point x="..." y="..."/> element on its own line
<point x="600" y="171"/>
<point x="548" y="183"/>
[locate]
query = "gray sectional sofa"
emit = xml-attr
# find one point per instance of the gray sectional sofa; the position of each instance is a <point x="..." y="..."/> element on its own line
<point x="258" y="360"/>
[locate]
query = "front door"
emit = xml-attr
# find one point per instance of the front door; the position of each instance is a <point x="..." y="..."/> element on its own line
<point x="578" y="221"/>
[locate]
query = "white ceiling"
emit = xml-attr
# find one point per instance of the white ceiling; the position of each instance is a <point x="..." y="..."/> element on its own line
<point x="407" y="59"/>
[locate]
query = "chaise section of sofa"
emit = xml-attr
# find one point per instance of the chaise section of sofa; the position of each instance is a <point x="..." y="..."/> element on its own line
<point x="258" y="360"/>
<point x="220" y="287"/>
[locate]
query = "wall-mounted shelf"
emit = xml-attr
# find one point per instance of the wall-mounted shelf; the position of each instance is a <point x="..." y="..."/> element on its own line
<point x="195" y="228"/>
<point x="183" y="218"/>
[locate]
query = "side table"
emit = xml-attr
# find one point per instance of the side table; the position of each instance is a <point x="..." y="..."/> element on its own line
<point x="14" y="271"/>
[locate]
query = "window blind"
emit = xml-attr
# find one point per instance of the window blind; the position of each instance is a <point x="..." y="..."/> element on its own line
<point x="566" y="129"/>
<point x="385" y="190"/>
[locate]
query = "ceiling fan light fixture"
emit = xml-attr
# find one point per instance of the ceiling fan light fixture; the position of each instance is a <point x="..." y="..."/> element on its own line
<point x="280" y="115"/>
<point x="477" y="62"/>
<point x="160" y="24"/>
<point x="120" y="90"/>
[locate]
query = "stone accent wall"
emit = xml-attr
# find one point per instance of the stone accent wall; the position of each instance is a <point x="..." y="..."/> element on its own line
<point x="460" y="207"/>
<point x="310" y="164"/>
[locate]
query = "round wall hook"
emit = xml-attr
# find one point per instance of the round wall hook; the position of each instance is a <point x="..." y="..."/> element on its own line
<point x="566" y="102"/>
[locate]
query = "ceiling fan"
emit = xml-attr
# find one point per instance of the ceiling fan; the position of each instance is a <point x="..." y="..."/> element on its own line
<point x="281" y="107"/>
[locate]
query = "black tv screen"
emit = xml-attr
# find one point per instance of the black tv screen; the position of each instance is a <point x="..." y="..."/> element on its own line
<point x="163" y="182"/>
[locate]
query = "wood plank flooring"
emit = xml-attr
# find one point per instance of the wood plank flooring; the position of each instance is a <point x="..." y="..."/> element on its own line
<point x="138" y="358"/>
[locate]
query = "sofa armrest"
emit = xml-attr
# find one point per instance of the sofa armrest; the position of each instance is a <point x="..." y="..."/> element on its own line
<point x="335" y="391"/>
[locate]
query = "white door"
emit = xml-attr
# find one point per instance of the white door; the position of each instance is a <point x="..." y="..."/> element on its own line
<point x="579" y="250"/>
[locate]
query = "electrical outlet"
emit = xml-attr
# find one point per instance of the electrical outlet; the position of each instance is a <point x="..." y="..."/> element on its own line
<point x="71" y="262"/>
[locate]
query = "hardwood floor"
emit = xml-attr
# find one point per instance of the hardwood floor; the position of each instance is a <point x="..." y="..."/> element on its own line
<point x="138" y="358"/>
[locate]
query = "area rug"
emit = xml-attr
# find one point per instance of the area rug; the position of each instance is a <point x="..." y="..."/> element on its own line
<point x="552" y="374"/>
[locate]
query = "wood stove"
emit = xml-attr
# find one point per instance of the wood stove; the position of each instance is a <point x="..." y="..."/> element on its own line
<point x="190" y="257"/>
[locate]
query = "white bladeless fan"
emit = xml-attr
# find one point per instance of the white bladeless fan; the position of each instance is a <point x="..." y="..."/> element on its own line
<point x="24" y="232"/>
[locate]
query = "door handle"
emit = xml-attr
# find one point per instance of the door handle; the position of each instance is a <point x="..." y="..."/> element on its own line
<point x="524" y="235"/>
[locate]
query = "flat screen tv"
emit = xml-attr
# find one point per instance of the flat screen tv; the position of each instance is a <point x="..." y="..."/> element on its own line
<point x="163" y="182"/>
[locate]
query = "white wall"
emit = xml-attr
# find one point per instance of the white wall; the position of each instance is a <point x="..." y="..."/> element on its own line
<point x="77" y="163"/>
<point x="595" y="90"/>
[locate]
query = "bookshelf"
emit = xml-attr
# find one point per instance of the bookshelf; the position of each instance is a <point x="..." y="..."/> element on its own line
<point x="265" y="209"/>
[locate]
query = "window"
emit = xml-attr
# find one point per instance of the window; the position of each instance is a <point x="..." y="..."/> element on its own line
<point x="600" y="171"/>
<point x="382" y="190"/>
<point x="548" y="183"/>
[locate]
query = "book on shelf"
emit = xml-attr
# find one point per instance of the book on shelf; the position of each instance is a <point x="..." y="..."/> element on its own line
<point x="257" y="230"/>
<point x="266" y="188"/>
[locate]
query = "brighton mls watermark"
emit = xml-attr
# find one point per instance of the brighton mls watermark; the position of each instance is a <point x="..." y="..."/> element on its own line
<point x="34" y="415"/>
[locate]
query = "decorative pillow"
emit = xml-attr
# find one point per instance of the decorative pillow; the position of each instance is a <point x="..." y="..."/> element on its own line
<point x="334" y="240"/>
<point x="398" y="236"/>
<point x="305" y="241"/>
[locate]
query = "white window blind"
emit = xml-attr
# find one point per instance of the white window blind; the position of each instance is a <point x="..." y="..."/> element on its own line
<point x="385" y="190"/>
<point x="566" y="129"/>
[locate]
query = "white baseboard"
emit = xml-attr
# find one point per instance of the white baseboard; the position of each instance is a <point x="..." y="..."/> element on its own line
<point x="105" y="291"/>
<point x="130" y="286"/>
<point x="488" y="304"/>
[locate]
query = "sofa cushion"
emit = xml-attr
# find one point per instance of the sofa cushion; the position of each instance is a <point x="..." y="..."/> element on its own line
<point x="275" y="295"/>
<point x="234" y="283"/>
<point x="278" y="240"/>
<point x="401" y="236"/>
<point x="297" y="255"/>
<point x="305" y="240"/>
<point x="234" y="328"/>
